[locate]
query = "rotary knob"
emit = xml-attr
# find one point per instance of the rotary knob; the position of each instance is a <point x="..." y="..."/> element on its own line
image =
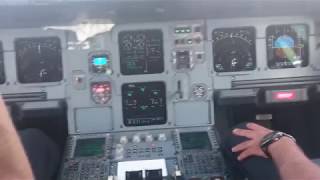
<point x="119" y="152"/>
<point x="119" y="149"/>
<point x="162" y="137"/>
<point x="149" y="138"/>
<point x="123" y="140"/>
<point x="136" y="139"/>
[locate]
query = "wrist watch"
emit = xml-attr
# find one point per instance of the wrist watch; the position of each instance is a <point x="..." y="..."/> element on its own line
<point x="271" y="138"/>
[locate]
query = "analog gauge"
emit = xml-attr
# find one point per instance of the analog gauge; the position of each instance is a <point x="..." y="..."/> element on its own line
<point x="101" y="92"/>
<point x="234" y="49"/>
<point x="287" y="46"/>
<point x="39" y="59"/>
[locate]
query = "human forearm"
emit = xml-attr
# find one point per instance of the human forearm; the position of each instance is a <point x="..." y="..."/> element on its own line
<point x="13" y="160"/>
<point x="291" y="161"/>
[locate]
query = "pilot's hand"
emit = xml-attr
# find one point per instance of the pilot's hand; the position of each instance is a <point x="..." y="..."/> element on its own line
<point x="251" y="147"/>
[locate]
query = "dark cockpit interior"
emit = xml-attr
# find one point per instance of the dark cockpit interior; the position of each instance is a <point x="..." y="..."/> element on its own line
<point x="150" y="89"/>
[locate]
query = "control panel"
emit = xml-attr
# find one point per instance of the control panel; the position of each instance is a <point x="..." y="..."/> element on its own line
<point x="140" y="96"/>
<point x="101" y="92"/>
<point x="144" y="155"/>
<point x="188" y="41"/>
<point x="100" y="63"/>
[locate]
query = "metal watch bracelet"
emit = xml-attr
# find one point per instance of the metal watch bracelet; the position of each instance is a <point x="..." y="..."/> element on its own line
<point x="272" y="137"/>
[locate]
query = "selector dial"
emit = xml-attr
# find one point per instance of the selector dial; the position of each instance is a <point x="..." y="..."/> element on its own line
<point x="123" y="140"/>
<point x="149" y="138"/>
<point x="136" y="139"/>
<point x="162" y="137"/>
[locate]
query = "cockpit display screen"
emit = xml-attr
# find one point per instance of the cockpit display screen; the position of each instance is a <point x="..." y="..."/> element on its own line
<point x="287" y="46"/>
<point x="99" y="64"/>
<point x="39" y="59"/>
<point x="195" y="140"/>
<point x="141" y="52"/>
<point x="2" y="75"/>
<point x="90" y="147"/>
<point x="144" y="103"/>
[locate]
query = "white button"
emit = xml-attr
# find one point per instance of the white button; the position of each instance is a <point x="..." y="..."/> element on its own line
<point x="123" y="140"/>
<point x="149" y="138"/>
<point x="136" y="139"/>
<point x="162" y="137"/>
<point x="119" y="149"/>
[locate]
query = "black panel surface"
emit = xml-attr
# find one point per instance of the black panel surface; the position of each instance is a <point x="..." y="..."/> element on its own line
<point x="141" y="52"/>
<point x="234" y="49"/>
<point x="90" y="147"/>
<point x="195" y="140"/>
<point x="144" y="103"/>
<point x="2" y="74"/>
<point x="287" y="46"/>
<point x="39" y="59"/>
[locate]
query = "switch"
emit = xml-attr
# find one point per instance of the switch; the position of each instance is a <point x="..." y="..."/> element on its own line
<point x="136" y="139"/>
<point x="134" y="175"/>
<point x="79" y="79"/>
<point x="154" y="174"/>
<point x="162" y="137"/>
<point x="119" y="151"/>
<point x="149" y="138"/>
<point x="123" y="140"/>
<point x="178" y="175"/>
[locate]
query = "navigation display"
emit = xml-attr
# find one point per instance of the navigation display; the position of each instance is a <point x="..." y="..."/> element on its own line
<point x="195" y="140"/>
<point x="90" y="147"/>
<point x="144" y="103"/>
<point x="287" y="46"/>
<point x="234" y="49"/>
<point x="39" y="59"/>
<point x="2" y="75"/>
<point x="141" y="52"/>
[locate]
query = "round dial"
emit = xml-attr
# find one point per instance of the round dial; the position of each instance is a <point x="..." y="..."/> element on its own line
<point x="234" y="49"/>
<point x="287" y="46"/>
<point x="39" y="60"/>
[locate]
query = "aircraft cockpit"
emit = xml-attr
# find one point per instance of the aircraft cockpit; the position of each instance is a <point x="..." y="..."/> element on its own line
<point x="149" y="90"/>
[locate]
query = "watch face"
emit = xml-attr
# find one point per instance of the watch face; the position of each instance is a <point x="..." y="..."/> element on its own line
<point x="267" y="138"/>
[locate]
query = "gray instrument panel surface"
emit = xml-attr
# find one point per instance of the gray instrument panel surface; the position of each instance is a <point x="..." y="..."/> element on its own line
<point x="180" y="103"/>
<point x="54" y="90"/>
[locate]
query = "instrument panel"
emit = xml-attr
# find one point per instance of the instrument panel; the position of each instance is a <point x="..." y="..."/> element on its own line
<point x="39" y="60"/>
<point x="147" y="75"/>
<point x="147" y="90"/>
<point x="287" y="46"/>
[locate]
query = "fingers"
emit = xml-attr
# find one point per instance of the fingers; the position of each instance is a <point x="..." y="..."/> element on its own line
<point x="250" y="152"/>
<point x="254" y="126"/>
<point x="245" y="154"/>
<point x="242" y="146"/>
<point x="244" y="133"/>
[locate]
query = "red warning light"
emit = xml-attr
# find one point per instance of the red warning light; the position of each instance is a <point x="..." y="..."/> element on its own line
<point x="285" y="95"/>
